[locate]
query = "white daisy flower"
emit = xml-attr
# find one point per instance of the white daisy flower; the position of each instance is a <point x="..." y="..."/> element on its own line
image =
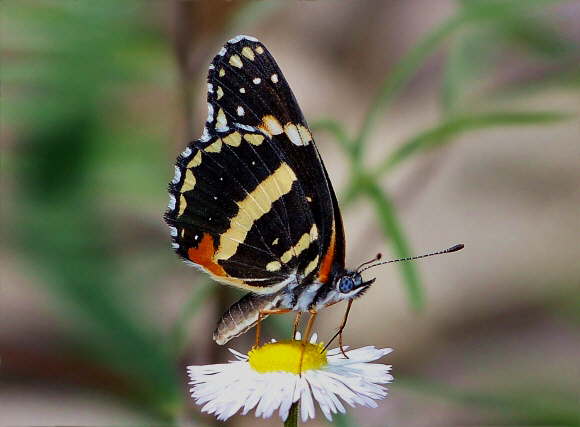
<point x="278" y="374"/>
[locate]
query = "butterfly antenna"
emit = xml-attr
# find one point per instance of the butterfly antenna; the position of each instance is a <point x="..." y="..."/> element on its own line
<point x="376" y="258"/>
<point x="445" y="251"/>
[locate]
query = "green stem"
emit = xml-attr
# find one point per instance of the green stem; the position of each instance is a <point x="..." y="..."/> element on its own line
<point x="392" y="230"/>
<point x="292" y="420"/>
<point x="415" y="57"/>
<point x="454" y="127"/>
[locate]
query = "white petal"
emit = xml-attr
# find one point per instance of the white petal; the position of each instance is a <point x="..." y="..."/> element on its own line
<point x="306" y="402"/>
<point x="238" y="355"/>
<point x="226" y="389"/>
<point x="288" y="400"/>
<point x="320" y="395"/>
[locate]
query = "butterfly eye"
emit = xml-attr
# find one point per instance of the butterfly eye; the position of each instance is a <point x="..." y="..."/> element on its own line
<point x="345" y="285"/>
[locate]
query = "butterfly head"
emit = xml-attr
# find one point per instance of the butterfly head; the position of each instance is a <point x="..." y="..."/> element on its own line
<point x="350" y="285"/>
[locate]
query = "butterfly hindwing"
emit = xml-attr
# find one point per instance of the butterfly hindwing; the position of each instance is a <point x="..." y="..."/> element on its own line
<point x="251" y="202"/>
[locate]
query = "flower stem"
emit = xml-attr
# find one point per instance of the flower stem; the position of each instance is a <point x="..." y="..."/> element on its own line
<point x="292" y="420"/>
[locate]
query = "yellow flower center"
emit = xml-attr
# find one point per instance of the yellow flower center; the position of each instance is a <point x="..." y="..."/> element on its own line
<point x="289" y="355"/>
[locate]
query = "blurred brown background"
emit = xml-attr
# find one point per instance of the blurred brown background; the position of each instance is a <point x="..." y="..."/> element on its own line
<point x="99" y="319"/>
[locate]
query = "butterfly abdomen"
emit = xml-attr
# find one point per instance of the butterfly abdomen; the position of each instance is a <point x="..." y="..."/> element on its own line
<point x="243" y="315"/>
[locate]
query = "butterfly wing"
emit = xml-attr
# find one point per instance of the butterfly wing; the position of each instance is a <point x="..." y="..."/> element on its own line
<point x="251" y="202"/>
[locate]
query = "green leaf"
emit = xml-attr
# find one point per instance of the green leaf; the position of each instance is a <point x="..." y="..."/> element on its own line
<point x="476" y="13"/>
<point x="393" y="231"/>
<point x="481" y="52"/>
<point x="442" y="133"/>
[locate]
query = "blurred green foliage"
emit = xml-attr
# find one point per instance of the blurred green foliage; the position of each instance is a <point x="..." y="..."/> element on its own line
<point x="82" y="86"/>
<point x="68" y="70"/>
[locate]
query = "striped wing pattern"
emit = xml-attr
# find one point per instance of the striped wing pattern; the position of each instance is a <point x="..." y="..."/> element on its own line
<point x="251" y="203"/>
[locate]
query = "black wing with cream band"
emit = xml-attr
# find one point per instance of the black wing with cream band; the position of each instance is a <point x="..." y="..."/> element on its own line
<point x="251" y="203"/>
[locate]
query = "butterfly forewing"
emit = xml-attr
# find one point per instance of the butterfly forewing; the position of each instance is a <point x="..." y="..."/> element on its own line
<point x="251" y="202"/>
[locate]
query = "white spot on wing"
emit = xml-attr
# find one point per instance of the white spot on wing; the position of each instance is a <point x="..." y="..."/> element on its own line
<point x="186" y="153"/>
<point x="171" y="205"/>
<point x="293" y="135"/>
<point x="257" y="80"/>
<point x="246" y="127"/>
<point x="242" y="90"/>
<point x="274" y="78"/>
<point x="271" y="125"/>
<point x="210" y="112"/>
<point x="205" y="137"/>
<point x="240" y="111"/>
<point x="176" y="176"/>
<point x="242" y="37"/>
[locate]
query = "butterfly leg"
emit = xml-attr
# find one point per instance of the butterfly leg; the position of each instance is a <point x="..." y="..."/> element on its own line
<point x="309" y="325"/>
<point x="307" y="334"/>
<point x="262" y="315"/>
<point x="340" y="329"/>
<point x="296" y="322"/>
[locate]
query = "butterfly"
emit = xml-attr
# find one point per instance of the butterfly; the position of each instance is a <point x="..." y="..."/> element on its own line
<point x="251" y="202"/>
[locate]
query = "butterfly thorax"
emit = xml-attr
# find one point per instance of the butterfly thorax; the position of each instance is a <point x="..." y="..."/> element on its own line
<point x="342" y="285"/>
<point x="242" y="315"/>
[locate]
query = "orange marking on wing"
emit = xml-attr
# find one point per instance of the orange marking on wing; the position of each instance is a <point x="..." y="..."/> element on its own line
<point x="203" y="255"/>
<point x="326" y="264"/>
